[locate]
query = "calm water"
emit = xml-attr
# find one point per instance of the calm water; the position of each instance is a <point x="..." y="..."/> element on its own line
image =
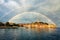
<point x="28" y="34"/>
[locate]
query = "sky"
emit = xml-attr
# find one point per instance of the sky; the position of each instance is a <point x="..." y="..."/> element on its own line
<point x="11" y="8"/>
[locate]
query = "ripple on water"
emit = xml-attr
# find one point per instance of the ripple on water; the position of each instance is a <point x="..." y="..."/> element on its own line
<point x="28" y="34"/>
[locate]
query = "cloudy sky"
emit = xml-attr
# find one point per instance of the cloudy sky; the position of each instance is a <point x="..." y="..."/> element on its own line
<point x="11" y="8"/>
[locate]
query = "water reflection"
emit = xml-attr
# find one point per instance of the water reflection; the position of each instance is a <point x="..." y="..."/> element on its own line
<point x="45" y="29"/>
<point x="27" y="34"/>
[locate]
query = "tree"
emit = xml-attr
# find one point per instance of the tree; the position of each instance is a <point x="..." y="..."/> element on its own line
<point x="46" y="23"/>
<point x="1" y="24"/>
<point x="15" y="24"/>
<point x="7" y="24"/>
<point x="41" y="22"/>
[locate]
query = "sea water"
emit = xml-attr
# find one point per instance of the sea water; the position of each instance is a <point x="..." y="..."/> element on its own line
<point x="28" y="34"/>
